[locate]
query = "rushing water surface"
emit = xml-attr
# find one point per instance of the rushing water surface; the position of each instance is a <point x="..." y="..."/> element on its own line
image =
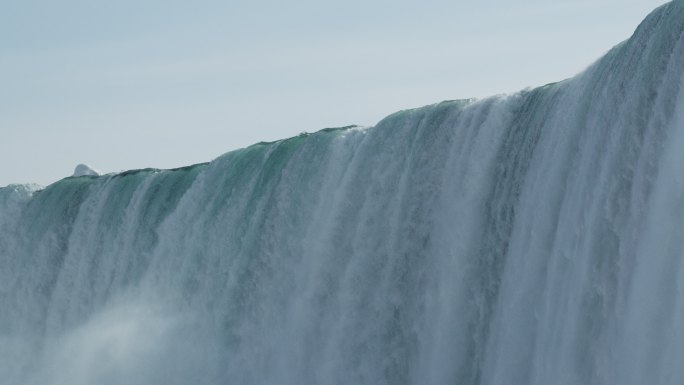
<point x="533" y="238"/>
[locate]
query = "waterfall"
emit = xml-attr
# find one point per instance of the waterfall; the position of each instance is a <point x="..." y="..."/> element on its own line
<point x="532" y="238"/>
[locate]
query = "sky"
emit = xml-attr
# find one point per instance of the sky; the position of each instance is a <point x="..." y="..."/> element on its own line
<point x="127" y="84"/>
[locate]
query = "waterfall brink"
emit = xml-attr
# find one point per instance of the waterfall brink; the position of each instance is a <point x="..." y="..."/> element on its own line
<point x="534" y="238"/>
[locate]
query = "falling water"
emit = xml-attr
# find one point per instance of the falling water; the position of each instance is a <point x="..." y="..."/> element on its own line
<point x="533" y="238"/>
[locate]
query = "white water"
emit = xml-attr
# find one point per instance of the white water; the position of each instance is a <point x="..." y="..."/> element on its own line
<point x="535" y="238"/>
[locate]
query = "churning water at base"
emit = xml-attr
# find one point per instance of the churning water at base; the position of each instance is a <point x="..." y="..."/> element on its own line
<point x="536" y="238"/>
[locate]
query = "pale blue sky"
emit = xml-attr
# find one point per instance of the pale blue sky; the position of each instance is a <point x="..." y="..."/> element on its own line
<point x="133" y="84"/>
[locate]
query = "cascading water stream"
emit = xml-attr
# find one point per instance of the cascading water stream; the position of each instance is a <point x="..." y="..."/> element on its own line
<point x="533" y="238"/>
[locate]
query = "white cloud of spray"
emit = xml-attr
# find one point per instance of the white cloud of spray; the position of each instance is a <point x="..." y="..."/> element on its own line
<point x="131" y="343"/>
